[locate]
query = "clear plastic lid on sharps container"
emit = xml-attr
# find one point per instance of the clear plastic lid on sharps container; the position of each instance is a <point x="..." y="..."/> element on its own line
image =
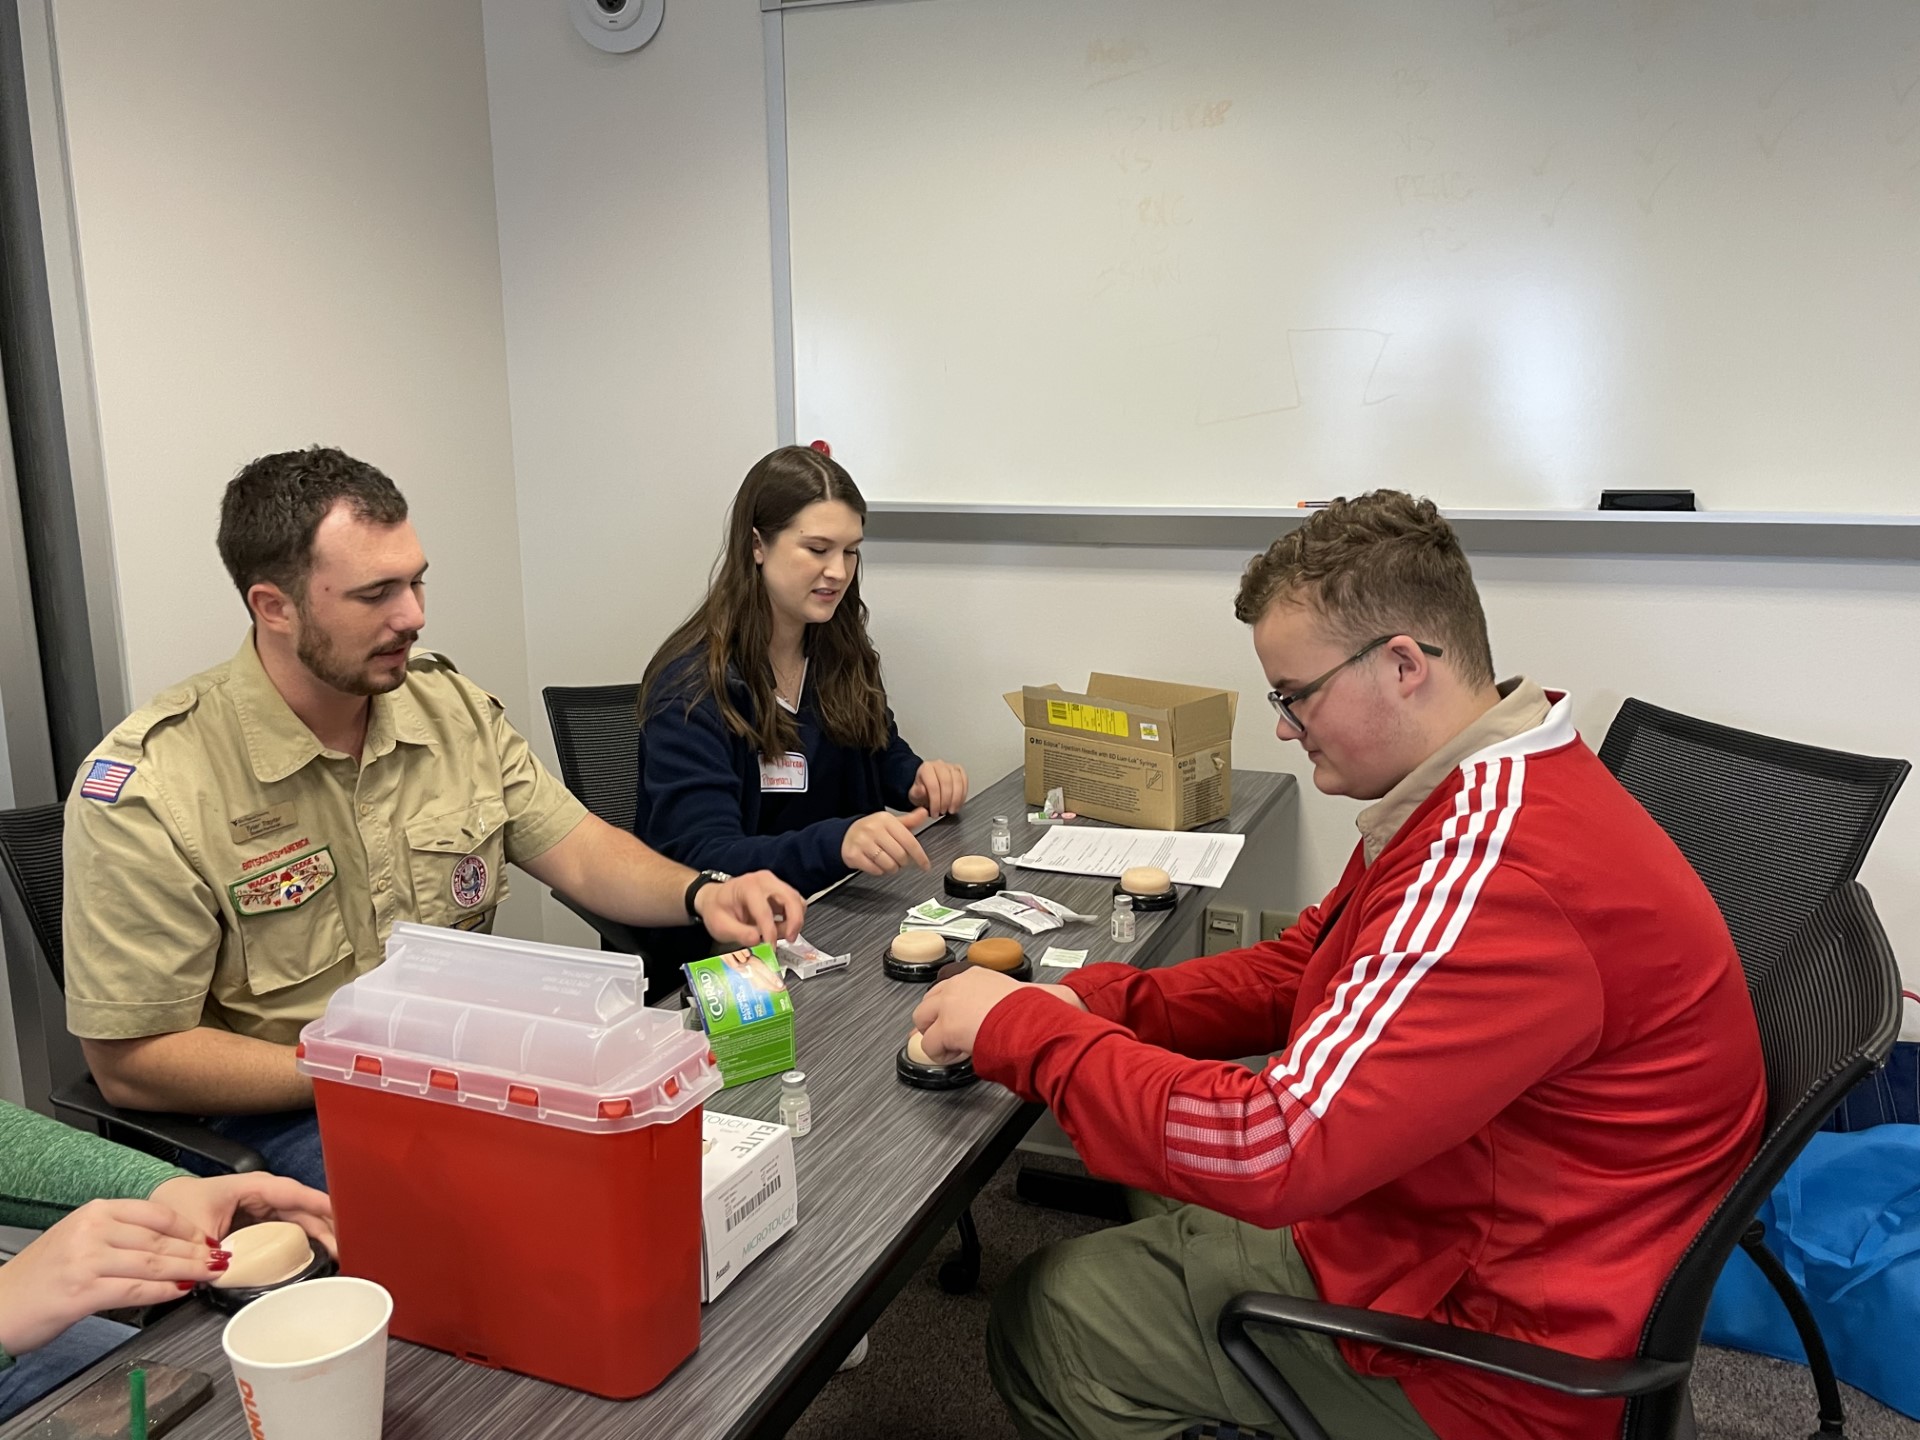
<point x="541" y="1032"/>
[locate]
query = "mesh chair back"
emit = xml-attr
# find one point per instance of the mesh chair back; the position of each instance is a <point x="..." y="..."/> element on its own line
<point x="30" y="850"/>
<point x="596" y="731"/>
<point x="1828" y="1015"/>
<point x="1771" y="826"/>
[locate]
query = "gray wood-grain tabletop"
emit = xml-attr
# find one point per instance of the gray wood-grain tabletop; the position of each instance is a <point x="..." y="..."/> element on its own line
<point x="884" y="1172"/>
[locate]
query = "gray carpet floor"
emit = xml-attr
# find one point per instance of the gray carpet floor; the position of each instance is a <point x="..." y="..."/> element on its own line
<point x="926" y="1375"/>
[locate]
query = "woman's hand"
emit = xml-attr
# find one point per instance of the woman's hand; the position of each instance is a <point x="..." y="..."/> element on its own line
<point x="939" y="787"/>
<point x="882" y="842"/>
<point x="106" y="1254"/>
<point x="217" y="1206"/>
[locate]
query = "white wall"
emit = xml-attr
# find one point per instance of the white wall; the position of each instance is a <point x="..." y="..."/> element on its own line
<point x="639" y="305"/>
<point x="634" y="248"/>
<point x="287" y="236"/>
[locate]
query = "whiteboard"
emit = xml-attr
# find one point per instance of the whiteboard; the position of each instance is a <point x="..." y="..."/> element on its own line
<point x="1246" y="252"/>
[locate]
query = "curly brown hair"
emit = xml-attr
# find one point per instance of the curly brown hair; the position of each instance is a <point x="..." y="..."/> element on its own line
<point x="1386" y="563"/>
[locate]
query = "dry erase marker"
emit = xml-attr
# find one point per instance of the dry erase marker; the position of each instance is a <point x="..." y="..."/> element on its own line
<point x="1311" y="504"/>
<point x="137" y="1405"/>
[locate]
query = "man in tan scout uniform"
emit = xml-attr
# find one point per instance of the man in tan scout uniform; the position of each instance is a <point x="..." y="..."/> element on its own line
<point x="240" y="848"/>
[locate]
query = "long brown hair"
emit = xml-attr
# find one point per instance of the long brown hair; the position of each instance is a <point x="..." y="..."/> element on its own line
<point x="734" y="623"/>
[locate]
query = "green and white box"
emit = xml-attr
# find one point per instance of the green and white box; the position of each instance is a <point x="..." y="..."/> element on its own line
<point x="746" y="1011"/>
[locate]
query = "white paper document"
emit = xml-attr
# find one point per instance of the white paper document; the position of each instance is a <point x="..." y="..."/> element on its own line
<point x="1189" y="859"/>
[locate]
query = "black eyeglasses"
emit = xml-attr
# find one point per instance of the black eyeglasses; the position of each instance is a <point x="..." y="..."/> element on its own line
<point x="1283" y="704"/>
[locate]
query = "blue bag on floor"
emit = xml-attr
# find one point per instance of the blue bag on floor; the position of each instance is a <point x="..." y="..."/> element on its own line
<point x="1846" y="1224"/>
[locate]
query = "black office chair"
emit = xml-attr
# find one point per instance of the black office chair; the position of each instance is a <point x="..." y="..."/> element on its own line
<point x="1828" y="1014"/>
<point x="596" y="733"/>
<point x="1772" y="827"/>
<point x="596" y="730"/>
<point x="30" y="852"/>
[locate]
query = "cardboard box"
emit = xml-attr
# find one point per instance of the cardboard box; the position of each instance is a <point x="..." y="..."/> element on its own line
<point x="748" y="1197"/>
<point x="1144" y="753"/>
<point x="746" y="1011"/>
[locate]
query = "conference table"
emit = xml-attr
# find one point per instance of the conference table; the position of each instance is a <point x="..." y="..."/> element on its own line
<point x="883" y="1176"/>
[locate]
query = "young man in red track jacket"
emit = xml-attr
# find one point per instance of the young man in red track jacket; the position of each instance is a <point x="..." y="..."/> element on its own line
<point x="1513" y="1062"/>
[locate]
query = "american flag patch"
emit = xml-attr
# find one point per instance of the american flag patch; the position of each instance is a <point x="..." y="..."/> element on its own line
<point x="106" y="779"/>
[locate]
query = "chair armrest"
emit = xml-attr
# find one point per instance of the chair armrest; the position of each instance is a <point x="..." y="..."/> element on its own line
<point x="1495" y="1354"/>
<point x="180" y="1131"/>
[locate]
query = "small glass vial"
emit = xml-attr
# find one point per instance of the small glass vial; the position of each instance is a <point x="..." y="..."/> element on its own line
<point x="1123" y="925"/>
<point x="1000" y="838"/>
<point x="796" y="1110"/>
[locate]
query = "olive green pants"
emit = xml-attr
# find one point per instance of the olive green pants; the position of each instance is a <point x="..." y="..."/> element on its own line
<point x="1111" y="1336"/>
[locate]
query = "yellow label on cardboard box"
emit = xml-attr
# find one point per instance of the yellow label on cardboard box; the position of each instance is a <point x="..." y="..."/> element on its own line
<point x="1093" y="718"/>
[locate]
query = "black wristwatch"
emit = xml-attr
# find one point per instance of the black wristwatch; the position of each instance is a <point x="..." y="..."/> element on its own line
<point x="705" y="877"/>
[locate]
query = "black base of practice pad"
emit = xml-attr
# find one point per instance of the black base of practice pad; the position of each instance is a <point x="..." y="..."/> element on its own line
<point x="956" y="1076"/>
<point x="973" y="889"/>
<point x="915" y="972"/>
<point x="1145" y="903"/>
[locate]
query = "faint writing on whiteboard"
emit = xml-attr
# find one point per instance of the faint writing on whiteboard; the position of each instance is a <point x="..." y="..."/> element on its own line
<point x="1645" y="191"/>
<point x="1120" y="54"/>
<point x="1552" y="212"/>
<point x="1168" y="208"/>
<point x="1111" y="60"/>
<point x="1151" y="265"/>
<point x="1199" y="115"/>
<point x="1534" y="27"/>
<point x="1445" y="187"/>
<point x="1442" y="239"/>
<point x="1769" y="140"/>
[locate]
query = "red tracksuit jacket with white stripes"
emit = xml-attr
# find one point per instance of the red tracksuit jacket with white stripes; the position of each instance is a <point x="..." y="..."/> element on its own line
<point x="1514" y="1067"/>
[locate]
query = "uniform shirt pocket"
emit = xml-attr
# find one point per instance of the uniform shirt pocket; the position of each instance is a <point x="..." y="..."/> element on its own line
<point x="289" y="922"/>
<point x="458" y="864"/>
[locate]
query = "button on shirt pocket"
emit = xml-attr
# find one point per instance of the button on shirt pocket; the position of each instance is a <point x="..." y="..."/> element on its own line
<point x="458" y="863"/>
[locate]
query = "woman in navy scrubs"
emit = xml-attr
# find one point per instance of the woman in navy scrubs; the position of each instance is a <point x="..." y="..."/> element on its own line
<point x="766" y="741"/>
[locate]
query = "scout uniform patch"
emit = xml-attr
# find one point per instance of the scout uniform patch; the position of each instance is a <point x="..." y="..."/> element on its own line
<point x="469" y="881"/>
<point x="285" y="888"/>
<point x="105" y="780"/>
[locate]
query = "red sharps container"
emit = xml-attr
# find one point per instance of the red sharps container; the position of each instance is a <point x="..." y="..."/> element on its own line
<point x="512" y="1143"/>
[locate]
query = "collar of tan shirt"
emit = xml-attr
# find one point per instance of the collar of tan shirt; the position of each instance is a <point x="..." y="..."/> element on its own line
<point x="279" y="742"/>
<point x="1523" y="706"/>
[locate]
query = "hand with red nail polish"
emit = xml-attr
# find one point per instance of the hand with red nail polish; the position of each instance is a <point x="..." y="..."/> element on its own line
<point x="105" y="1255"/>
<point x="222" y="1204"/>
<point x="119" y="1251"/>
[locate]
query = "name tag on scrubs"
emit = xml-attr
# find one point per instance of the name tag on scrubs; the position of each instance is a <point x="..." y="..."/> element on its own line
<point x="788" y="773"/>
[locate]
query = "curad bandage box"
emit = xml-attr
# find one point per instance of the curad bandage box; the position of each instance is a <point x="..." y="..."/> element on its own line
<point x="1144" y="753"/>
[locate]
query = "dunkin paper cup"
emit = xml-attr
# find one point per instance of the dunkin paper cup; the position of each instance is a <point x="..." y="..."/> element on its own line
<point x="311" y="1360"/>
